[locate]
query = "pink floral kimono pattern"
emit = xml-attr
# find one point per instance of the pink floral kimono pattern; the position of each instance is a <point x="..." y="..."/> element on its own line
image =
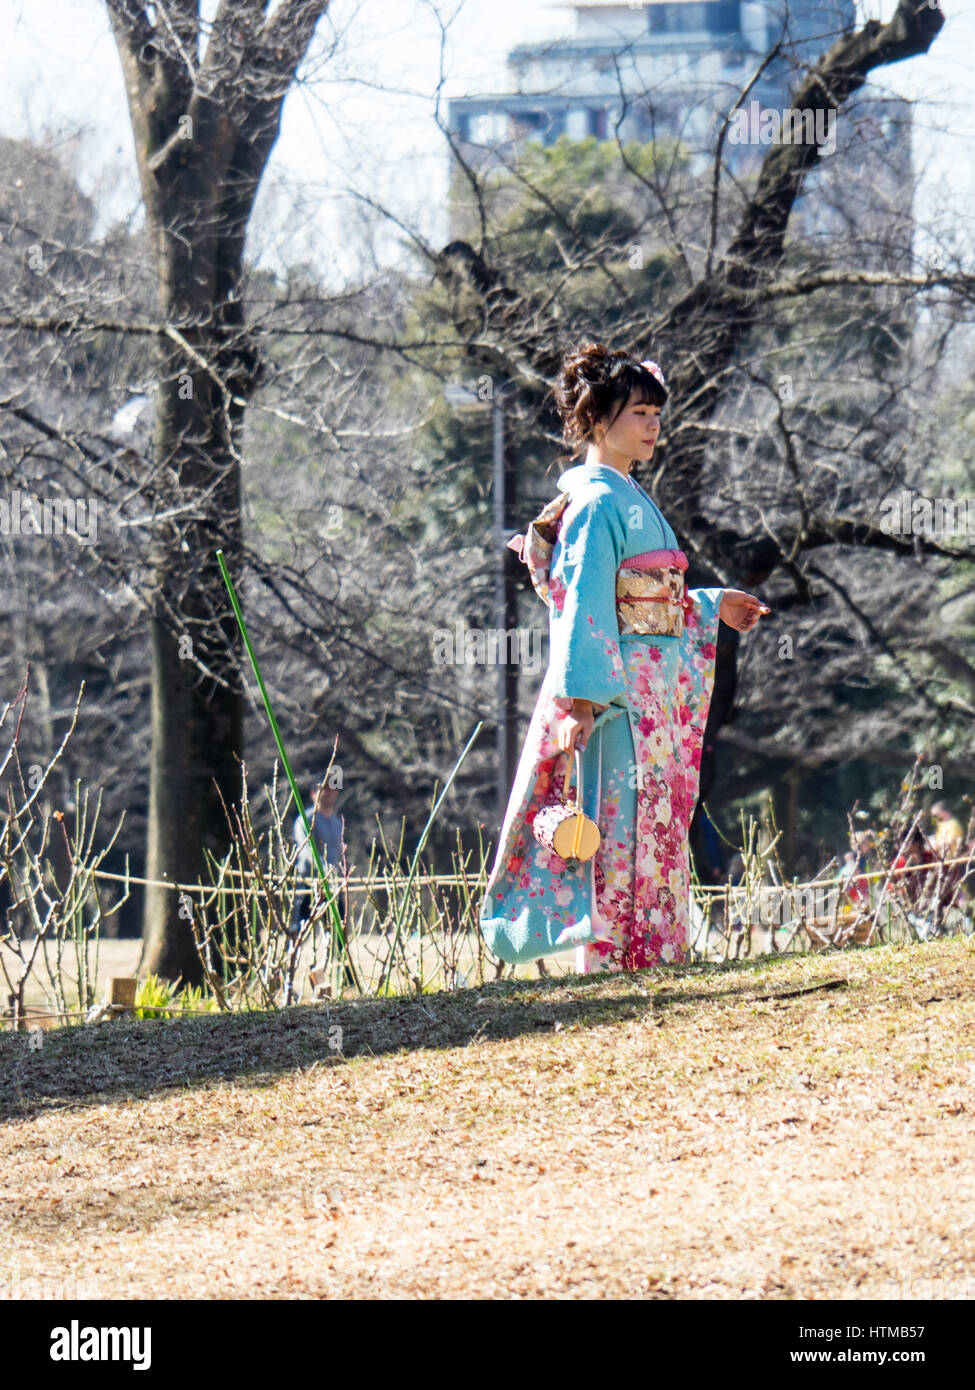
<point x="629" y="906"/>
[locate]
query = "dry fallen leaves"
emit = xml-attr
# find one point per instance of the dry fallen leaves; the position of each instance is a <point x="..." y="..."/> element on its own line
<point x="217" y="1157"/>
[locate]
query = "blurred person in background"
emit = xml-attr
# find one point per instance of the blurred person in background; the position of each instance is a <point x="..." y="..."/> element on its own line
<point x="328" y="828"/>
<point x="948" y="836"/>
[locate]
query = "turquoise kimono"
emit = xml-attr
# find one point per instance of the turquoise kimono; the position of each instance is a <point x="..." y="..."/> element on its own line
<point x="629" y="906"/>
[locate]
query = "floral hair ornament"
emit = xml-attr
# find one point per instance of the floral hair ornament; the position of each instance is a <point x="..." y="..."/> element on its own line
<point x="654" y="370"/>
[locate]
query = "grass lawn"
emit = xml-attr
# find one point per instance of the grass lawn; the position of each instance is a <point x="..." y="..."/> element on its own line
<point x="797" y="1127"/>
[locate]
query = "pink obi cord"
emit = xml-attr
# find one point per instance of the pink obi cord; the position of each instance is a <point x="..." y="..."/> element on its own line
<point x="656" y="559"/>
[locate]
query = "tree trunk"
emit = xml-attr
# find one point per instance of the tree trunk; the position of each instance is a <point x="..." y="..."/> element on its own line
<point x="197" y="701"/>
<point x="204" y="124"/>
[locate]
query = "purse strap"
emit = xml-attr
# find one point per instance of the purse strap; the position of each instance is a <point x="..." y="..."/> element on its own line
<point x="568" y="778"/>
<point x="580" y="813"/>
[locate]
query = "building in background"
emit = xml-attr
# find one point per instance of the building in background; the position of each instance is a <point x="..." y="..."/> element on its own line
<point x="672" y="70"/>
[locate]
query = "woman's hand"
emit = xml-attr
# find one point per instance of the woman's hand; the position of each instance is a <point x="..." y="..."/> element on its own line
<point x="576" y="727"/>
<point x="740" y="610"/>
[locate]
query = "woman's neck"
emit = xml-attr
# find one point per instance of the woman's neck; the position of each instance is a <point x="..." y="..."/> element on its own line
<point x="610" y="458"/>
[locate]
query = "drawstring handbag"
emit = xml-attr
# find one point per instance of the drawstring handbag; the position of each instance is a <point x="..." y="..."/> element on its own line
<point x="563" y="827"/>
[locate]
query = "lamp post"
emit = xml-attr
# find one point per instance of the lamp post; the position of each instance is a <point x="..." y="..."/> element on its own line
<point x="464" y="398"/>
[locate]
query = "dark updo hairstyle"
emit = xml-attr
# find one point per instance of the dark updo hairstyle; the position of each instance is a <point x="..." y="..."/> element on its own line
<point x="591" y="382"/>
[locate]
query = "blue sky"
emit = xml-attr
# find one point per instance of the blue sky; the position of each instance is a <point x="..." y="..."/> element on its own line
<point x="363" y="123"/>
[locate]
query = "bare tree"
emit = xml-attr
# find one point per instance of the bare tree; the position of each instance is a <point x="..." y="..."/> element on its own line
<point x="205" y="118"/>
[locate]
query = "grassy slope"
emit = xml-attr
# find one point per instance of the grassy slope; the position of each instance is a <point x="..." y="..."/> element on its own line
<point x="666" y="1133"/>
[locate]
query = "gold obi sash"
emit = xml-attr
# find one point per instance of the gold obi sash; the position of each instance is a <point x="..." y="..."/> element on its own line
<point x="650" y="596"/>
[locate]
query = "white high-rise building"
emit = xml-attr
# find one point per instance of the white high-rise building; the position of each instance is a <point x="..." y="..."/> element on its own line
<point x="669" y="70"/>
<point x="663" y="68"/>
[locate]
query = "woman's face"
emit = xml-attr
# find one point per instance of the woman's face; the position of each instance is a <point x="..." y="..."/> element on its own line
<point x="634" y="431"/>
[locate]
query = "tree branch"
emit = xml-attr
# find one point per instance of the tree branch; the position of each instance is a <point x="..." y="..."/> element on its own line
<point x="831" y="82"/>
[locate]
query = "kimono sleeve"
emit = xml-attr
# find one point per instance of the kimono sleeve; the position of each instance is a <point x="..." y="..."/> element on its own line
<point x="707" y="604"/>
<point x="695" y="684"/>
<point x="585" y="662"/>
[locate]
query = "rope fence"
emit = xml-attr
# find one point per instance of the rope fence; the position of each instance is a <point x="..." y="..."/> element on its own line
<point x="305" y="880"/>
<point x="377" y="880"/>
<point x="736" y="896"/>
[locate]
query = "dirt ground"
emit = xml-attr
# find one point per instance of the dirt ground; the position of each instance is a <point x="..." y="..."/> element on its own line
<point x="796" y="1128"/>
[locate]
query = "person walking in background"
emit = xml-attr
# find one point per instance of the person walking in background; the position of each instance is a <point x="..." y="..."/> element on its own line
<point x="328" y="828"/>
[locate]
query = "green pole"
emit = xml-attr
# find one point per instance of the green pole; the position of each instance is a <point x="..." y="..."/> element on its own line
<point x="299" y="800"/>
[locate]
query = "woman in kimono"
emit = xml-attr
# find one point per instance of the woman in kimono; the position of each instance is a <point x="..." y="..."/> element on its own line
<point x="629" y="680"/>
